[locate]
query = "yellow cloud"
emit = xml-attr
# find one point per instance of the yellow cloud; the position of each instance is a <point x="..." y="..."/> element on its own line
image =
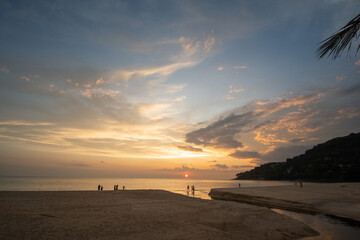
<point x="155" y="111"/>
<point x="162" y="71"/>
<point x="24" y="123"/>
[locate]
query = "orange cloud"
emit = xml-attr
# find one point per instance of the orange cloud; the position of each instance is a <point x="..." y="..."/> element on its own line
<point x="100" y="81"/>
<point x="190" y="148"/>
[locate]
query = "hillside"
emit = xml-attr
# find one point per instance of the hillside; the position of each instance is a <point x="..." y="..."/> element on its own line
<point x="335" y="160"/>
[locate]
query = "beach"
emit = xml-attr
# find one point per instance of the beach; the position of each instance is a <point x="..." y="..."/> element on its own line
<point x="137" y="214"/>
<point x="335" y="199"/>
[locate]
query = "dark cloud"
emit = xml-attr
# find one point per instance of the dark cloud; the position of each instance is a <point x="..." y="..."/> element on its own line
<point x="289" y="120"/>
<point x="280" y="154"/>
<point x="220" y="166"/>
<point x="241" y="166"/>
<point x="297" y="140"/>
<point x="221" y="134"/>
<point x="183" y="168"/>
<point x="190" y="148"/>
<point x="244" y="154"/>
<point x="352" y="90"/>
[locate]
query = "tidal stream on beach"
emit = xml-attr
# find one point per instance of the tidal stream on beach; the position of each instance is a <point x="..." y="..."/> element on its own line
<point x="329" y="228"/>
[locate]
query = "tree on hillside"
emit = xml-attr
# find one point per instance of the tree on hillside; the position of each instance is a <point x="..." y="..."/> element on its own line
<point x="337" y="43"/>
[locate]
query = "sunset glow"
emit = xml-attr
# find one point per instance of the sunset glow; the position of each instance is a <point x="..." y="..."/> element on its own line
<point x="160" y="88"/>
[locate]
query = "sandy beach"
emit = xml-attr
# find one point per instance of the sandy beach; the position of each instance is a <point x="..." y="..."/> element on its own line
<point x="337" y="199"/>
<point x="139" y="214"/>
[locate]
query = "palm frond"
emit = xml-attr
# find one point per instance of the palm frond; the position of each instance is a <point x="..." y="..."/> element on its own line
<point x="337" y="43"/>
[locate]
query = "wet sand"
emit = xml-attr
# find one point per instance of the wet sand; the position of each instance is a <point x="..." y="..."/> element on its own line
<point x="336" y="199"/>
<point x="140" y="214"/>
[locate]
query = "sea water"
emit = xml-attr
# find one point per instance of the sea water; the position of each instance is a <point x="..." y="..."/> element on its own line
<point x="202" y="187"/>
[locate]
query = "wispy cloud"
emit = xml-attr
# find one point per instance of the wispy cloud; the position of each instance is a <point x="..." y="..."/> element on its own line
<point x="240" y="67"/>
<point x="4" y="69"/>
<point x="340" y="78"/>
<point x="183" y="168"/>
<point x="155" y="111"/>
<point x="190" y="148"/>
<point x="25" y="123"/>
<point x="98" y="93"/>
<point x="244" y="154"/>
<point x="100" y="81"/>
<point x="161" y="71"/>
<point x="220" y="166"/>
<point x="25" y="78"/>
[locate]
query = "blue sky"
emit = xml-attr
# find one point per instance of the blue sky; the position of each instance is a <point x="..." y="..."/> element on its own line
<point x="160" y="88"/>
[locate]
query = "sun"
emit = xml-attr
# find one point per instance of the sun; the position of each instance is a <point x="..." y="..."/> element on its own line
<point x="186" y="175"/>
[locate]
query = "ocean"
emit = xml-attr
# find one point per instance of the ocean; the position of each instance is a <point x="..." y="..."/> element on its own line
<point x="202" y="187"/>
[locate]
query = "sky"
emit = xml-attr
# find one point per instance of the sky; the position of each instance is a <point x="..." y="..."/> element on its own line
<point x="167" y="88"/>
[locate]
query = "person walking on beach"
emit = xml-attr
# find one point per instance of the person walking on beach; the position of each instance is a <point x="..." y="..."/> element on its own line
<point x="123" y="187"/>
<point x="99" y="187"/>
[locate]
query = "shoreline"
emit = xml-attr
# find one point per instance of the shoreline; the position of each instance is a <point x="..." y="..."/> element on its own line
<point x="336" y="200"/>
<point x="138" y="214"/>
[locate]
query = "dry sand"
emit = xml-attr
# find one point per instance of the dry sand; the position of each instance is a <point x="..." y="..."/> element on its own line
<point x="338" y="199"/>
<point x="141" y="214"/>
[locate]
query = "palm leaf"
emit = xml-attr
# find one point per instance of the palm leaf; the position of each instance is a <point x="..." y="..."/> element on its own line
<point x="337" y="43"/>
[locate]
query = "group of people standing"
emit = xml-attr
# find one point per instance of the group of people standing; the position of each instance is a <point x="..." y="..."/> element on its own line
<point x="116" y="187"/>
<point x="192" y="189"/>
